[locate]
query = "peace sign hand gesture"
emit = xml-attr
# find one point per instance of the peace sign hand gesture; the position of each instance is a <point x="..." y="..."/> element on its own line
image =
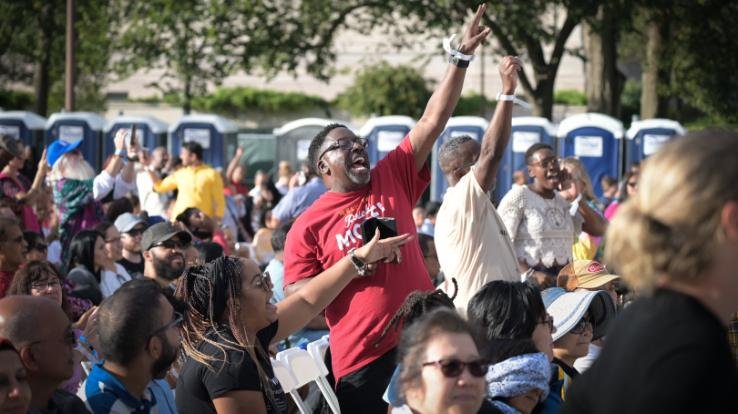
<point x="475" y="34"/>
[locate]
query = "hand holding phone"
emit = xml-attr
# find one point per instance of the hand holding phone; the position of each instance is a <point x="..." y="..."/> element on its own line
<point x="387" y="228"/>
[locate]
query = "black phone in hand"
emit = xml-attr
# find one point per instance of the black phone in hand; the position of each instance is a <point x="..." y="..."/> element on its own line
<point x="386" y="225"/>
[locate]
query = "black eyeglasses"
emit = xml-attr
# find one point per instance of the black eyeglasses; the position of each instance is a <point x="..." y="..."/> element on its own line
<point x="547" y="163"/>
<point x="176" y="321"/>
<point x="633" y="184"/>
<point x="171" y="244"/>
<point x="45" y="284"/>
<point x="135" y="232"/>
<point x="452" y="368"/>
<point x="345" y="144"/>
<point x="581" y="327"/>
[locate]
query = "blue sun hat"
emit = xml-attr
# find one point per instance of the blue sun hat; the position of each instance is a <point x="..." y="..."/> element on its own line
<point x="58" y="148"/>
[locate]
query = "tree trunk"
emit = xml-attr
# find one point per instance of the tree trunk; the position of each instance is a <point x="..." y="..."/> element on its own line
<point x="187" y="96"/>
<point x="41" y="81"/>
<point x="604" y="82"/>
<point x="542" y="99"/>
<point x="650" y="76"/>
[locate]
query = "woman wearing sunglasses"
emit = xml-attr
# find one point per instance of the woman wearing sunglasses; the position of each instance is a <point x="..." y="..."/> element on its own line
<point x="442" y="370"/>
<point x="230" y="323"/>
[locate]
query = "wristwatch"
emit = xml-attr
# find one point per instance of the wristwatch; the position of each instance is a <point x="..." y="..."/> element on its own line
<point x="458" y="61"/>
<point x="359" y="264"/>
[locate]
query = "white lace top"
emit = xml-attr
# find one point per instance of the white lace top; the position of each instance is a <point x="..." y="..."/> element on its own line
<point x="542" y="230"/>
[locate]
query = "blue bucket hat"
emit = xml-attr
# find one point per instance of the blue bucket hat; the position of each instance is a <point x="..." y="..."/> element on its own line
<point x="58" y="148"/>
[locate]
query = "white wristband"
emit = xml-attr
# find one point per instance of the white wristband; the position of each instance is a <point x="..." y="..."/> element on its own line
<point x="453" y="52"/>
<point x="505" y="98"/>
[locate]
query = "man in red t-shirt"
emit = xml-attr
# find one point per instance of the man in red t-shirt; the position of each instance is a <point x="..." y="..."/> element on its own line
<point x="331" y="228"/>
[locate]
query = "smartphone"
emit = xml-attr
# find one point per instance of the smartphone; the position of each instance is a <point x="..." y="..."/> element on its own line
<point x="387" y="228"/>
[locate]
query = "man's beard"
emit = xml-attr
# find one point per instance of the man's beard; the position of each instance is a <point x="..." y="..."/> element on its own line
<point x="165" y="270"/>
<point x="169" y="354"/>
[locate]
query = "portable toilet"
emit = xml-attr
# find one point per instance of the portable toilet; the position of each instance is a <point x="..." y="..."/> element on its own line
<point x="293" y="139"/>
<point x="384" y="134"/>
<point x="526" y="131"/>
<point x="596" y="139"/>
<point x="25" y="126"/>
<point x="215" y="134"/>
<point x="645" y="137"/>
<point x="150" y="132"/>
<point x="474" y="127"/>
<point x="79" y="126"/>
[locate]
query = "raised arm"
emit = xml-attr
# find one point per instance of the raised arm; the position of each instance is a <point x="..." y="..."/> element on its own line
<point x="233" y="164"/>
<point x="443" y="101"/>
<point x="497" y="135"/>
<point x="299" y="308"/>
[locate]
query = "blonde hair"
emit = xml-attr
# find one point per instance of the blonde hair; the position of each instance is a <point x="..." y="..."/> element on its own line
<point x="671" y="227"/>
<point x="581" y="174"/>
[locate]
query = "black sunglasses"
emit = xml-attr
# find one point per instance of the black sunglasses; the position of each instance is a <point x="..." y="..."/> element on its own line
<point x="176" y="321"/>
<point x="135" y="232"/>
<point x="171" y="244"/>
<point x="452" y="368"/>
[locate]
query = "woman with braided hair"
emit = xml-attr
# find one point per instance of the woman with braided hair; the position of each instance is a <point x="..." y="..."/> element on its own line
<point x="229" y="324"/>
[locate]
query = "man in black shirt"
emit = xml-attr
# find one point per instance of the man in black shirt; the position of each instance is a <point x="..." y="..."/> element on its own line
<point x="131" y="227"/>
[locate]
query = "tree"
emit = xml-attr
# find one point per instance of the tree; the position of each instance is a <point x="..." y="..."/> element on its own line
<point x="386" y="90"/>
<point x="32" y="50"/>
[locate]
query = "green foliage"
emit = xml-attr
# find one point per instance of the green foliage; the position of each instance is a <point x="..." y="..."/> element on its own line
<point x="473" y="104"/>
<point x="15" y="100"/>
<point x="570" y="97"/>
<point x="630" y="100"/>
<point x="710" y="122"/>
<point x="235" y="101"/>
<point x="386" y="90"/>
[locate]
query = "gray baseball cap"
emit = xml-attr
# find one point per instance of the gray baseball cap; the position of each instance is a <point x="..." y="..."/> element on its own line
<point x="127" y="221"/>
<point x="161" y="232"/>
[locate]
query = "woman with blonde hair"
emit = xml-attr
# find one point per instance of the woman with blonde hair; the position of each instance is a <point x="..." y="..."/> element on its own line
<point x="675" y="241"/>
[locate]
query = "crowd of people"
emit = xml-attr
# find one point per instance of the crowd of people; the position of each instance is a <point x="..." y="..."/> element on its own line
<point x="161" y="285"/>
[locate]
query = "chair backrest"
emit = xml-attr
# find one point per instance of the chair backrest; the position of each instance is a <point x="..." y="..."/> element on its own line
<point x="284" y="375"/>
<point x="317" y="350"/>
<point x="302" y="365"/>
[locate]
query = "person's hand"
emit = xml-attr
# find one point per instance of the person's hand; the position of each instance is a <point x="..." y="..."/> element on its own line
<point x="509" y="68"/>
<point x="387" y="250"/>
<point x="87" y="323"/>
<point x="43" y="164"/>
<point x="474" y="34"/>
<point x="143" y="157"/>
<point x="119" y="140"/>
<point x="239" y="152"/>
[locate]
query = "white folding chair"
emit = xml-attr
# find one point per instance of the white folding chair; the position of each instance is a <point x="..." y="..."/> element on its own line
<point x="289" y="384"/>
<point x="306" y="370"/>
<point x="317" y="350"/>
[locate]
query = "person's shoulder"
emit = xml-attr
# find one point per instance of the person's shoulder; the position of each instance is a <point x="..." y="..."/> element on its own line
<point x="516" y="194"/>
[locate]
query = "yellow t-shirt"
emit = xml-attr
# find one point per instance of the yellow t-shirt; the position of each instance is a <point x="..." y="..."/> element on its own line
<point x="199" y="186"/>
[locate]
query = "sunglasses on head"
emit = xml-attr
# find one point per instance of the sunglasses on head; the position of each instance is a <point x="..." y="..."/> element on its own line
<point x="452" y="368"/>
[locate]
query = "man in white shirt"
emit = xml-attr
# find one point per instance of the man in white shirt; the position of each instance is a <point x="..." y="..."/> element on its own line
<point x="472" y="243"/>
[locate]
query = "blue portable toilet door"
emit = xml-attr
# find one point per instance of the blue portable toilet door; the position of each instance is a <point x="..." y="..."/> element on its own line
<point x="73" y="131"/>
<point x="598" y="150"/>
<point x="513" y="159"/>
<point x="647" y="142"/>
<point x="385" y="139"/>
<point x="209" y="139"/>
<point x="17" y="129"/>
<point x="144" y="137"/>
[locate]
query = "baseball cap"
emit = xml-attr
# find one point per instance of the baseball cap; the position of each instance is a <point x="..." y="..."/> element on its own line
<point x="584" y="274"/>
<point x="11" y="145"/>
<point x="127" y="221"/>
<point x="568" y="308"/>
<point x="161" y="232"/>
<point x="58" y="148"/>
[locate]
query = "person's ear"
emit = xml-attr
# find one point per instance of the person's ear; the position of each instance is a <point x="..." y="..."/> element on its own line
<point x="530" y="172"/>
<point x="155" y="347"/>
<point x="729" y="220"/>
<point x="28" y="359"/>
<point x="323" y="168"/>
<point x="147" y="255"/>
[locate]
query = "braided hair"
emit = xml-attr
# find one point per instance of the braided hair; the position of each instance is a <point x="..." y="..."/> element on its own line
<point x="417" y="304"/>
<point x="211" y="293"/>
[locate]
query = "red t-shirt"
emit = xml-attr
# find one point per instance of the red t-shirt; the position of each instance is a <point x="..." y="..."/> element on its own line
<point x="326" y="231"/>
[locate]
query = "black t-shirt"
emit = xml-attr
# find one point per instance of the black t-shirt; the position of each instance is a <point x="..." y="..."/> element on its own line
<point x="198" y="385"/>
<point x="136" y="270"/>
<point x="665" y="354"/>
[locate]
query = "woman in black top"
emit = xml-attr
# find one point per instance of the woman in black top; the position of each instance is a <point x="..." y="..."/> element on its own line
<point x="676" y="243"/>
<point x="229" y="324"/>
